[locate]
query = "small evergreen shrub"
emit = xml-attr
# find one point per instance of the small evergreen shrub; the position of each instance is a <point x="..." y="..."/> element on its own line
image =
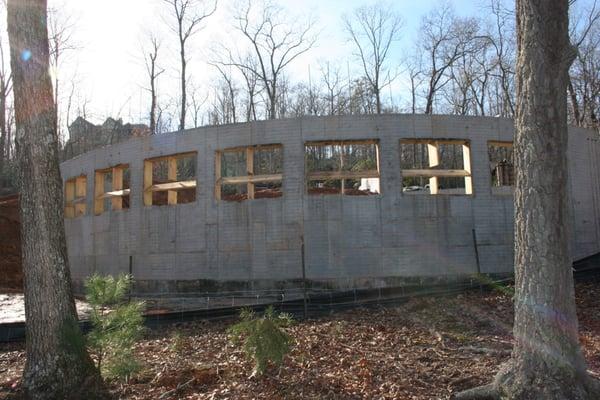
<point x="263" y="339"/>
<point x="116" y="325"/>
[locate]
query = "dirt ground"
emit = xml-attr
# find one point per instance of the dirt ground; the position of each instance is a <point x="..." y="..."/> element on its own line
<point x="426" y="348"/>
<point x="11" y="277"/>
<point x="12" y="308"/>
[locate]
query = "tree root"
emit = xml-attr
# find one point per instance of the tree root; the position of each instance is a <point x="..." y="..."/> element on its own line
<point x="486" y="392"/>
<point x="491" y="392"/>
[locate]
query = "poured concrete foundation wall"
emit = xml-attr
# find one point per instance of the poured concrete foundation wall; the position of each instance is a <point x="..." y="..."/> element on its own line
<point x="350" y="241"/>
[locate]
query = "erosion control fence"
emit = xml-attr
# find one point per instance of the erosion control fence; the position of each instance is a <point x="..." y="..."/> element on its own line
<point x="301" y="303"/>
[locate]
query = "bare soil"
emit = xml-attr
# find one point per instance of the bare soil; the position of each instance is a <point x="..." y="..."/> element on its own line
<point x="427" y="348"/>
<point x="11" y="273"/>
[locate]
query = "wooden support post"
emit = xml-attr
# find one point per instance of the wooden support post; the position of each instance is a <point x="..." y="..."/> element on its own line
<point x="98" y="192"/>
<point x="117" y="184"/>
<point x="80" y="192"/>
<point x="250" y="170"/>
<point x="467" y="167"/>
<point x="343" y="183"/>
<point x="434" y="160"/>
<point x="147" y="183"/>
<point x="172" y="177"/>
<point x="218" y="155"/>
<point x="69" y="197"/>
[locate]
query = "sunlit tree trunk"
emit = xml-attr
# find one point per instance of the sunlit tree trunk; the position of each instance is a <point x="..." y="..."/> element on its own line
<point x="58" y="365"/>
<point x="546" y="362"/>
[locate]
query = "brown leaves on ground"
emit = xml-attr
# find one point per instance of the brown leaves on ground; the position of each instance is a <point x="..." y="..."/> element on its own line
<point x="426" y="348"/>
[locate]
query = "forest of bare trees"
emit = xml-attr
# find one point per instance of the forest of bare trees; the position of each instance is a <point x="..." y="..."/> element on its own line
<point x="456" y="64"/>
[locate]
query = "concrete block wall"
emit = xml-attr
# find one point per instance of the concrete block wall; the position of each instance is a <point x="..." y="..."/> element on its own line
<point x="350" y="241"/>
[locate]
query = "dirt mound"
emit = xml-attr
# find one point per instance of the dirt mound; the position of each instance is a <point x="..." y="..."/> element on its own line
<point x="11" y="273"/>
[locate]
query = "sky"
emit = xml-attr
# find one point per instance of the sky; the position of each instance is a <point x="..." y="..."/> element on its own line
<point x="107" y="66"/>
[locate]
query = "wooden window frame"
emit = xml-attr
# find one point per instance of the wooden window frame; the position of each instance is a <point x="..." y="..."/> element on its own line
<point x="75" y="196"/>
<point x="116" y="193"/>
<point x="249" y="179"/>
<point x="340" y="174"/>
<point x="503" y="189"/>
<point x="433" y="173"/>
<point x="173" y="185"/>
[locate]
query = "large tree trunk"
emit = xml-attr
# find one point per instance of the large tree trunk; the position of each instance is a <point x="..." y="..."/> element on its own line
<point x="546" y="362"/>
<point x="58" y="365"/>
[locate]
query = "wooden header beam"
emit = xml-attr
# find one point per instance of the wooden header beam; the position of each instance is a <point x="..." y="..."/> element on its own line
<point x="445" y="173"/>
<point x="172" y="186"/>
<point x="324" y="175"/>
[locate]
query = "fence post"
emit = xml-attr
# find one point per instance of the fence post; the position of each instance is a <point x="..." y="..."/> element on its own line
<point x="303" y="277"/>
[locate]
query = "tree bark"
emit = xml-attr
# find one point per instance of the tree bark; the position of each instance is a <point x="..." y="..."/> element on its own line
<point x="546" y="361"/>
<point x="58" y="365"/>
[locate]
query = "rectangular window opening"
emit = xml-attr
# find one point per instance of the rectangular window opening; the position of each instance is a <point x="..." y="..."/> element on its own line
<point x="501" y="166"/>
<point x="170" y="180"/>
<point x="436" y="166"/>
<point x="252" y="172"/>
<point x="112" y="189"/>
<point x="342" y="167"/>
<point x="75" y="196"/>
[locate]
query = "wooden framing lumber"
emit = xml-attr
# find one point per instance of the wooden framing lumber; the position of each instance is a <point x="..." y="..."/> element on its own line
<point x="98" y="192"/>
<point x="249" y="179"/>
<point x="115" y="193"/>
<point x="250" y="171"/>
<point x="147" y="182"/>
<point x="326" y="175"/>
<point x="117" y="184"/>
<point x="445" y="173"/>
<point x="240" y="180"/>
<point x="172" y="177"/>
<point x="75" y="196"/>
<point x="173" y="187"/>
<point x="69" y="198"/>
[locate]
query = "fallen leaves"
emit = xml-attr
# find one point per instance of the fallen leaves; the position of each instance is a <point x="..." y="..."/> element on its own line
<point x="426" y="348"/>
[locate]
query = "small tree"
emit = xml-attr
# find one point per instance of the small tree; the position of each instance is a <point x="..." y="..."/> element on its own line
<point x="263" y="339"/>
<point x="117" y="325"/>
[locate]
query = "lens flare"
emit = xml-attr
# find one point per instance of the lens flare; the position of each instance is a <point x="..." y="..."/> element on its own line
<point x="26" y="55"/>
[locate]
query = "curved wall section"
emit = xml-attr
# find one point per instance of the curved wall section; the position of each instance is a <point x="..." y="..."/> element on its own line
<point x="388" y="239"/>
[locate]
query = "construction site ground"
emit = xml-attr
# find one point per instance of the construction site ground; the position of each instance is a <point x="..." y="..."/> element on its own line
<point x="426" y="348"/>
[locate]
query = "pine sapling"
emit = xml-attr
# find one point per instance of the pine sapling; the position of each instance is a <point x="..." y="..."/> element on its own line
<point x="116" y="325"/>
<point x="263" y="338"/>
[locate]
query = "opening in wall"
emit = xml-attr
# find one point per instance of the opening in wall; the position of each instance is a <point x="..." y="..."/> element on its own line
<point x="112" y="189"/>
<point x="251" y="172"/>
<point x="436" y="166"/>
<point x="170" y="180"/>
<point x="501" y="166"/>
<point x="349" y="167"/>
<point x="75" y="196"/>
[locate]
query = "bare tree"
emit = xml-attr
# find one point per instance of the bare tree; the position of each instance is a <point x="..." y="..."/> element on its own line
<point x="58" y="365"/>
<point x="584" y="80"/>
<point x="5" y="125"/>
<point x="334" y="89"/>
<point x="60" y="29"/>
<point x="503" y="40"/>
<point x="373" y="29"/>
<point x="197" y="103"/>
<point x="229" y="99"/>
<point x="188" y="21"/>
<point x="274" y="42"/>
<point x="444" y="38"/>
<point x="546" y="361"/>
<point x="153" y="71"/>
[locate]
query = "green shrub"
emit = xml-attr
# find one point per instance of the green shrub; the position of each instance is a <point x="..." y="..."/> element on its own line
<point x="116" y="325"/>
<point x="263" y="339"/>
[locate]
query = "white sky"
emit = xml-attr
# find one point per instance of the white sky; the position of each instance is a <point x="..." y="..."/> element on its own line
<point x="108" y="69"/>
